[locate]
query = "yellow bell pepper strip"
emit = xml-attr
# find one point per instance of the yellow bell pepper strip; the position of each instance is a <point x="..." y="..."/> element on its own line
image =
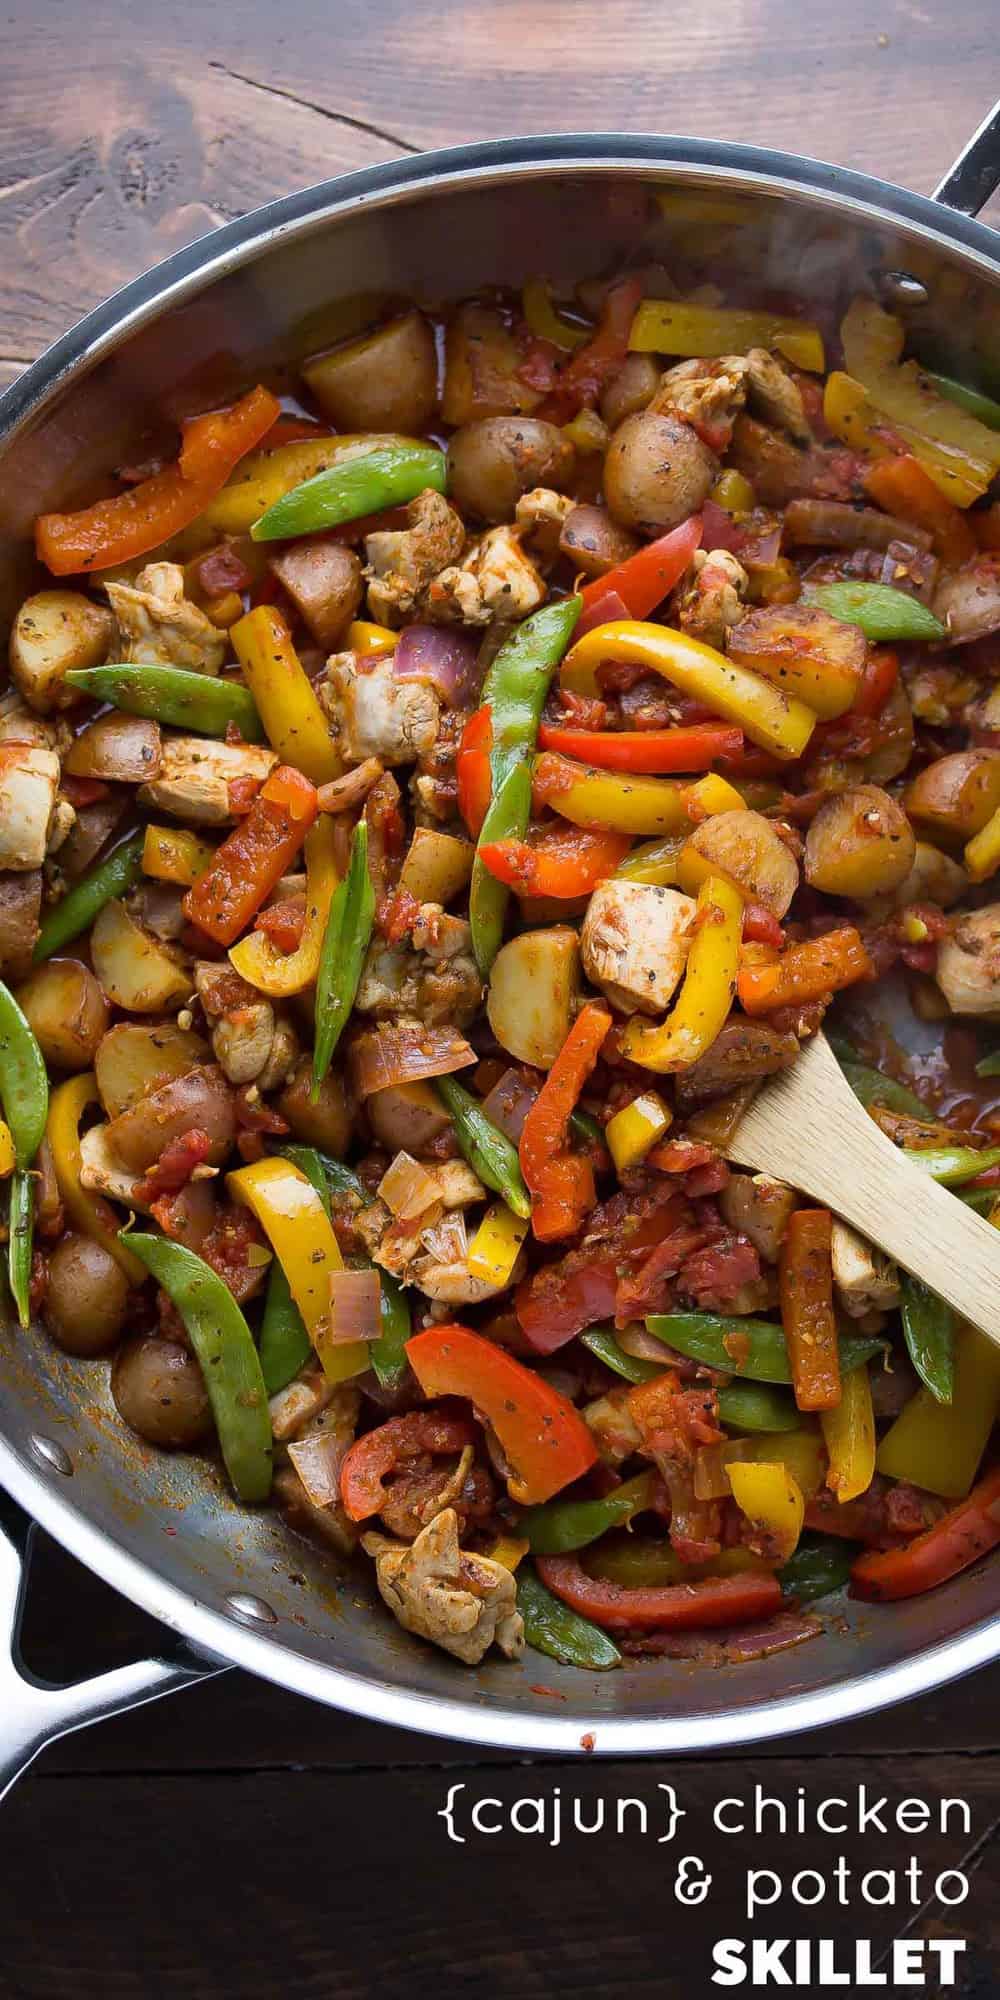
<point x="707" y="993"/>
<point x="540" y="314"/>
<point x="801" y="1452"/>
<point x="257" y="959"/>
<point x="508" y="1551"/>
<point x="631" y="1132"/>
<point x="496" y="1245"/>
<point x="300" y="1233"/>
<point x="939" y="1445"/>
<point x="805" y="1279"/>
<point x="266" y="475"/>
<point x="608" y="800"/>
<point x="711" y="794"/>
<point x="544" y="1439"/>
<point x="733" y="492"/>
<point x="87" y="1212"/>
<point x="289" y="709"/>
<point x="982" y="852"/>
<point x="773" y="1504"/>
<point x="961" y="454"/>
<point x="679" y="326"/>
<point x="173" y="854"/>
<point x="772" y="720"/>
<point x="363" y="637"/>
<point x="941" y="1552"/>
<point x="806" y="971"/>
<point x="654" y="861"/>
<point x="8" y="1158"/>
<point x="849" y="1436"/>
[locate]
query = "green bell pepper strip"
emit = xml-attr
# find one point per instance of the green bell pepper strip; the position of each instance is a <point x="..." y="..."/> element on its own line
<point x="820" y="1565"/>
<point x="341" y="1179"/>
<point x="171" y="694"/>
<point x="514" y="691"/>
<point x="285" y="1346"/>
<point x="229" y="1361"/>
<point x="348" y="931"/>
<point x="929" y="1328"/>
<point x="761" y="1344"/>
<point x="388" y="1352"/>
<point x="871" y="1087"/>
<point x="487" y="1149"/>
<point x="113" y="877"/>
<point x="387" y="476"/>
<point x="588" y="1128"/>
<point x="973" y="400"/>
<point x="951" y="1165"/>
<point x="552" y="1628"/>
<point x="881" y="612"/>
<point x="757" y="1406"/>
<point x="990" y="1065"/>
<point x="24" y="1094"/>
<point x="562" y="1525"/>
<point x="601" y="1342"/>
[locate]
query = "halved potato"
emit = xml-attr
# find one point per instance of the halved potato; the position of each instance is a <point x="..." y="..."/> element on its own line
<point x="955" y="796"/>
<point x="135" y="1058"/>
<point x="67" y="1012"/>
<point x="54" y="632"/>
<point x="437" y="866"/>
<point x="136" y="972"/>
<point x="387" y="380"/>
<point x="532" y="987"/>
<point x="199" y="1101"/>
<point x="120" y="749"/>
<point x="482" y="364"/>
<point x="860" y="844"/>
<point x="803" y="651"/>
<point x="743" y="846"/>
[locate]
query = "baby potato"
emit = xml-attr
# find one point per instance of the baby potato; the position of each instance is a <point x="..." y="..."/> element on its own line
<point x="324" y="582"/>
<point x="135" y="1058"/>
<point x="385" y="381"/>
<point x="67" y="1012"/>
<point x="860" y="844"/>
<point x="632" y="389"/>
<point x="160" y="1392"/>
<point x="804" y="652"/>
<point x="593" y="542"/>
<point x="54" y="632"/>
<point x="118" y="749"/>
<point x="745" y="848"/>
<point x="493" y="462"/>
<point x="199" y="1101"/>
<point x="656" y="473"/>
<point x="87" y="1297"/>
<point x="482" y="369"/>
<point x="955" y="796"/>
<point x="531" y="992"/>
<point x="325" y="1123"/>
<point x="437" y="865"/>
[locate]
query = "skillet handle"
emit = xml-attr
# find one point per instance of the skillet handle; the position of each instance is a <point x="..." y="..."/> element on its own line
<point x="34" y="1713"/>
<point x="968" y="185"/>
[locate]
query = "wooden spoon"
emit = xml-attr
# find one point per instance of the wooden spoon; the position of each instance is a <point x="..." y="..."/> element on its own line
<point x="806" y="1126"/>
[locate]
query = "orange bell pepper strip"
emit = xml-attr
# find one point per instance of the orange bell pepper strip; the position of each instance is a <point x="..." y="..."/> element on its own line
<point x="901" y="486"/>
<point x="562" y="1182"/>
<point x="643" y="581"/>
<point x="472" y="769"/>
<point x="564" y="861"/>
<point x="661" y="1607"/>
<point x="805" y="1282"/>
<point x="941" y="1552"/>
<point x="544" y="1439"/>
<point x="132" y="523"/>
<point x="252" y="861"/>
<point x="594" y="364"/>
<point x="805" y="972"/>
<point x="651" y="751"/>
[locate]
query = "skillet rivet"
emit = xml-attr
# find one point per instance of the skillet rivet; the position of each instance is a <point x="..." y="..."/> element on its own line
<point x="250" y="1610"/>
<point x="903" y="289"/>
<point x="52" y="1457"/>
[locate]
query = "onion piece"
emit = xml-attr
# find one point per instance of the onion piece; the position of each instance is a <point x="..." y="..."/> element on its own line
<point x="645" y="1346"/>
<point x="447" y="1238"/>
<point x="509" y="1103"/>
<point x="733" y="1646"/>
<point x="604" y="611"/>
<point x="402" y="1052"/>
<point x="760" y="551"/>
<point x="710" y="1462"/>
<point x="407" y="1188"/>
<point x="446" y="658"/>
<point x="317" y="1460"/>
<point x="355" y="1307"/>
<point x="719" y="530"/>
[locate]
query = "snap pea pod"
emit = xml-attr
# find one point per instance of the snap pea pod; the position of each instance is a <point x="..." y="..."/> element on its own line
<point x="552" y="1628"/>
<point x="951" y="1165"/>
<point x="113" y="877"/>
<point x="601" y="1342"/>
<point x="973" y="400"/>
<point x="929" y="1328"/>
<point x="820" y="1565"/>
<point x="757" y="1406"/>
<point x="229" y="1361"/>
<point x="172" y="694"/>
<point x="981" y="1199"/>
<point x="587" y="1127"/>
<point x="990" y="1065"/>
<point x="871" y="1087"/>
<point x="388" y="476"/>
<point x="507" y="818"/>
<point x="24" y="1094"/>
<point x="341" y="1179"/>
<point x="487" y="1149"/>
<point x="285" y="1346"/>
<point x="881" y="612"/>
<point x="348" y="931"/>
<point x="759" y="1350"/>
<point x="562" y="1525"/>
<point x="388" y="1352"/>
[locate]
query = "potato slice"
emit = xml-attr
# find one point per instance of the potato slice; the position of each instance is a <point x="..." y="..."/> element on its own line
<point x="55" y="631"/>
<point x="136" y="971"/>
<point x="121" y="749"/>
<point x="135" y="1058"/>
<point x="955" y="796"/>
<point x="437" y="866"/>
<point x="67" y="1012"/>
<point x="860" y="844"/>
<point x="532" y="987"/>
<point x="804" y="652"/>
<point x="743" y="846"/>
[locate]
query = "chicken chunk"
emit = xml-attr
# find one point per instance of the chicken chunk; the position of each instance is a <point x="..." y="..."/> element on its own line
<point x="712" y="600"/>
<point x="540" y="518"/>
<point x="454" y="1284"/>
<point x="705" y="394"/>
<point x="614" y="1430"/>
<point x="376" y="715"/>
<point x="775" y="396"/>
<point x="437" y="985"/>
<point x="19" y="724"/>
<point x="157" y="623"/>
<point x="866" y="1279"/>
<point x="495" y="580"/>
<point x="401" y="562"/>
<point x="463" y="1603"/>
<point x="242" y="1041"/>
<point x="29" y="781"/>
<point x="298" y="1403"/>
<point x="195" y="775"/>
<point x="968" y="963"/>
<point x="53" y="633"/>
<point x="635" y="942"/>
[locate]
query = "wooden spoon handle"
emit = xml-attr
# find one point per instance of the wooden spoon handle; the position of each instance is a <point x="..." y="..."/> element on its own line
<point x="808" y="1128"/>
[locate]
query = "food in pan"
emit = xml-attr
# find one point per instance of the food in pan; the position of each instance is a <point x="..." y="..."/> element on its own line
<point x="428" y="813"/>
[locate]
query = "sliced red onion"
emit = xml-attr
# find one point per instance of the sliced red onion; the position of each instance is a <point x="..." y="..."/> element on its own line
<point x="602" y="612"/>
<point x="509" y="1103"/>
<point x="760" y="551"/>
<point x="447" y="658"/>
<point x="720" y="531"/>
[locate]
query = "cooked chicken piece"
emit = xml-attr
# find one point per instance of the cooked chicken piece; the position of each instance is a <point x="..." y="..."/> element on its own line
<point x="968" y="963"/>
<point x="242" y="1041"/>
<point x="866" y="1279"/>
<point x="29" y="780"/>
<point x="495" y="580"/>
<point x="316" y="1454"/>
<point x="282" y="1058"/>
<point x="615" y="1433"/>
<point x="759" y="1208"/>
<point x="453" y="1284"/>
<point x="712" y="600"/>
<point x="434" y="985"/>
<point x="707" y="394"/>
<point x="460" y="1187"/>
<point x="635" y="942"/>
<point x="401" y="562"/>
<point x="460" y="1602"/>
<point x="775" y="396"/>
<point x="157" y="623"/>
<point x="60" y="827"/>
<point x="967" y="600"/>
<point x="376" y="715"/>
<point x="54" y="632"/>
<point x="539" y="520"/>
<point x="103" y="1173"/>
<point x="441" y="935"/>
<point x="196" y="773"/>
<point x="19" y="724"/>
<point x="299" y="1402"/>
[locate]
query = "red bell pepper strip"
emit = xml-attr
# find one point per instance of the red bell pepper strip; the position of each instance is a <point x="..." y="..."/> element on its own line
<point x="805" y="1278"/>
<point x="594" y="364"/>
<point x="546" y="1442"/>
<point x="372" y="1459"/>
<point x="643" y="581"/>
<point x="761" y="927"/>
<point x="472" y="770"/>
<point x="881" y="672"/>
<point x="130" y="524"/>
<point x="970" y="1530"/>
<point x="252" y="861"/>
<point x="805" y="971"/>
<point x="671" y="1607"/>
<point x="561" y="1182"/>
<point x="645" y="750"/>
<point x="565" y="860"/>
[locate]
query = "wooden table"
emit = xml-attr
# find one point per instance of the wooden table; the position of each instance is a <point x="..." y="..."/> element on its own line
<point x="234" y="1840"/>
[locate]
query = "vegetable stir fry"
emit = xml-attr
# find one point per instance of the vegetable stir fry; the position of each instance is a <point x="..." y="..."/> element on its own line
<point x="428" y="814"/>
